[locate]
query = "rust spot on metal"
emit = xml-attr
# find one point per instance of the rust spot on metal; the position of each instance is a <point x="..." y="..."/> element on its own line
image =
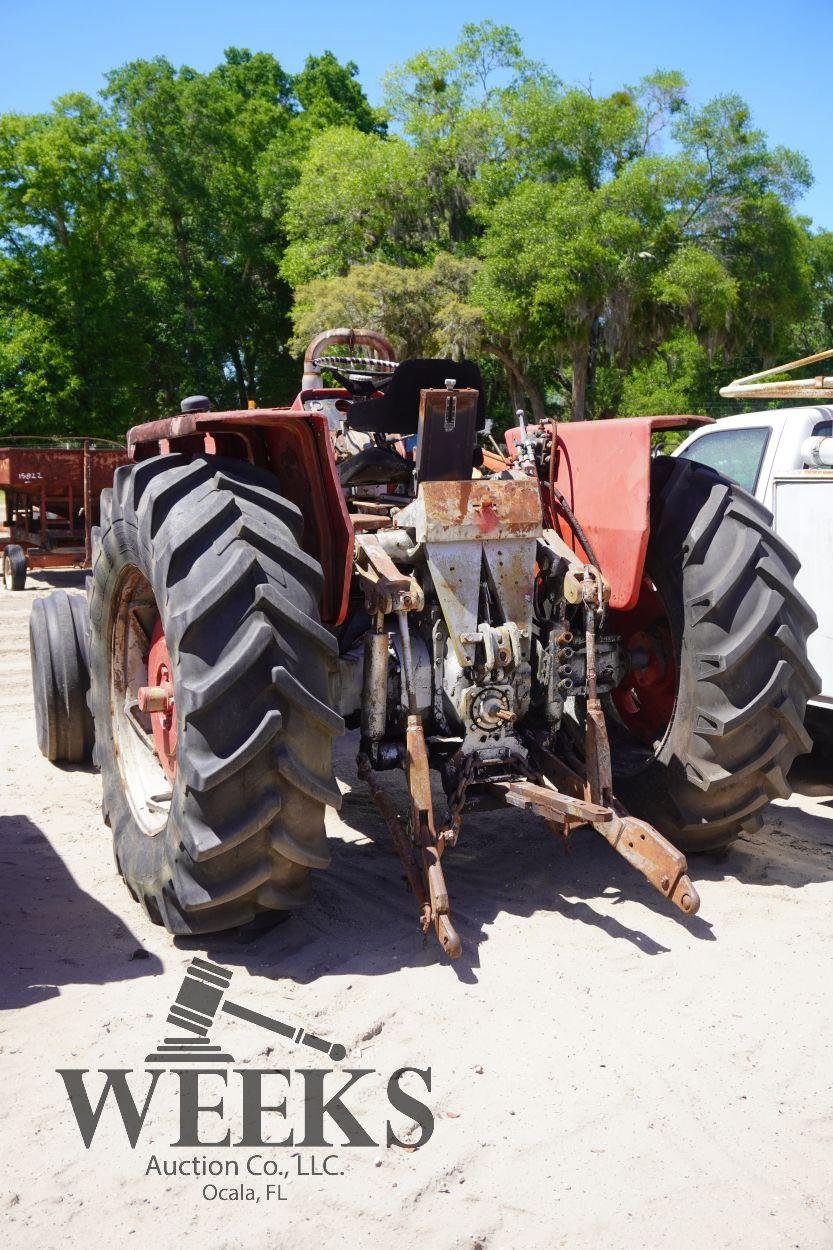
<point x="486" y="515"/>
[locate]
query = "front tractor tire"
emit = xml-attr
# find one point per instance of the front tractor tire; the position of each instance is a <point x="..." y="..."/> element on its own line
<point x="735" y="678"/>
<point x="217" y="776"/>
<point x="59" y="647"/>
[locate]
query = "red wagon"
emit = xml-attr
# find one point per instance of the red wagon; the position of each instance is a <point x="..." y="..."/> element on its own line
<point x="51" y="489"/>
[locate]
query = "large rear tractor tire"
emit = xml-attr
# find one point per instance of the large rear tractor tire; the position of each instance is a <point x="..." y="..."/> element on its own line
<point x="715" y="715"/>
<point x="59" y="629"/>
<point x="210" y="688"/>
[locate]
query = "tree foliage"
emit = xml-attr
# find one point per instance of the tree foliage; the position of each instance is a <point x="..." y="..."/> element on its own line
<point x="139" y="247"/>
<point x="189" y="231"/>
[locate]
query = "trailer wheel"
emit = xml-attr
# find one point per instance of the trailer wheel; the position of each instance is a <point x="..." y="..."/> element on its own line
<point x="59" y="649"/>
<point x="210" y="691"/>
<point x="711" y="717"/>
<point x="14" y="567"/>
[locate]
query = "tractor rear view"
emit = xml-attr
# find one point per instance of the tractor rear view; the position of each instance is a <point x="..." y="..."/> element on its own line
<point x="571" y="628"/>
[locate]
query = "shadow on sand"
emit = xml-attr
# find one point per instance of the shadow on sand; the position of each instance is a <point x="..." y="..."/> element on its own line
<point x="54" y="579"/>
<point x="54" y="932"/>
<point x="361" y="918"/>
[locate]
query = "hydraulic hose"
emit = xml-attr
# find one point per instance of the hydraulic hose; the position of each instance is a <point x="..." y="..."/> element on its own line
<point x="572" y="519"/>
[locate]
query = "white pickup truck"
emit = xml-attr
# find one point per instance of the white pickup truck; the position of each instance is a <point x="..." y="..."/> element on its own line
<point x="785" y="458"/>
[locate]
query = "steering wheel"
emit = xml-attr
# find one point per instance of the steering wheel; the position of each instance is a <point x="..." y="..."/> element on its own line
<point x="363" y="387"/>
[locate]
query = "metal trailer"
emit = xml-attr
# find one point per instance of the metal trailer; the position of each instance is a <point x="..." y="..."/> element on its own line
<point x="51" y="489"/>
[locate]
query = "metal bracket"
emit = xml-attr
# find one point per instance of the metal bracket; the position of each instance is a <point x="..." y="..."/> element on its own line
<point x="386" y="588"/>
<point x="425" y="875"/>
<point x="424" y="834"/>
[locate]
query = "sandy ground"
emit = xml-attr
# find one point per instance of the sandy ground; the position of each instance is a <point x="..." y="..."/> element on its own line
<point x="605" y="1073"/>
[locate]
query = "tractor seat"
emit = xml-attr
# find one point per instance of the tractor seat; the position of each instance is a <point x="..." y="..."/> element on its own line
<point x="373" y="466"/>
<point x="396" y="410"/>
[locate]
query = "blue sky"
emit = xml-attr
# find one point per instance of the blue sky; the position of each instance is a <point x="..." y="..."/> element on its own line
<point x="773" y="54"/>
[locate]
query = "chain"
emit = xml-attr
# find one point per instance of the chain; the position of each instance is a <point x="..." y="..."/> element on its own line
<point x="526" y="769"/>
<point x="457" y="799"/>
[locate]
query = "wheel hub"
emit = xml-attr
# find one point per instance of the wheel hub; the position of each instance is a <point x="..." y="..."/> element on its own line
<point x="646" y="698"/>
<point x="490" y="709"/>
<point x="157" y="699"/>
<point x="142" y="701"/>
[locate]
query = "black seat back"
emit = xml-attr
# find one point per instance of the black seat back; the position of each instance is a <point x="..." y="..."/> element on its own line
<point x="397" y="410"/>
<point x="374" y="465"/>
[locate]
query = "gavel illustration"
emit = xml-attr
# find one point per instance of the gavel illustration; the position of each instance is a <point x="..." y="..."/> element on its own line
<point x="201" y="997"/>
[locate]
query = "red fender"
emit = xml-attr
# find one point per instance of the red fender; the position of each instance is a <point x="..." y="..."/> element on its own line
<point x="603" y="470"/>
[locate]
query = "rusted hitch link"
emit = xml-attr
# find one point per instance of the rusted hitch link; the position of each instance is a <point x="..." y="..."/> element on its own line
<point x="636" y="841"/>
<point x="421" y="861"/>
<point x="639" y="843"/>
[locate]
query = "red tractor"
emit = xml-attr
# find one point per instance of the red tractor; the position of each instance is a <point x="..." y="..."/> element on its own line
<point x="573" y="628"/>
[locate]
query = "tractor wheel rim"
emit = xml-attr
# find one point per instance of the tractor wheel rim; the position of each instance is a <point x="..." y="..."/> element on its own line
<point x="144" y="739"/>
<point x="163" y="719"/>
<point x="646" y="700"/>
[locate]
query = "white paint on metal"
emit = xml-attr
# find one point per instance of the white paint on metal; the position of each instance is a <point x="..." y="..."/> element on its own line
<point x="803" y="508"/>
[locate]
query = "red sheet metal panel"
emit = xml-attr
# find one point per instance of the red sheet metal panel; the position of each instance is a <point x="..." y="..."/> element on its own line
<point x="302" y="459"/>
<point x="603" y="471"/>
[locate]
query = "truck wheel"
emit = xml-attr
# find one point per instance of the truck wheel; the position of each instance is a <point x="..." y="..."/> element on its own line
<point x="59" y="649"/>
<point x="14" y="567"/>
<point x="210" y="679"/>
<point x="714" y="705"/>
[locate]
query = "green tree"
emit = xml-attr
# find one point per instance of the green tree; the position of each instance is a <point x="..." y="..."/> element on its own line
<point x="141" y="238"/>
<point x="815" y="333"/>
<point x="68" y="355"/>
<point x="189" y="146"/>
<point x="360" y="198"/>
<point x="330" y="94"/>
<point x="595" y="245"/>
<point x="424" y="312"/>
